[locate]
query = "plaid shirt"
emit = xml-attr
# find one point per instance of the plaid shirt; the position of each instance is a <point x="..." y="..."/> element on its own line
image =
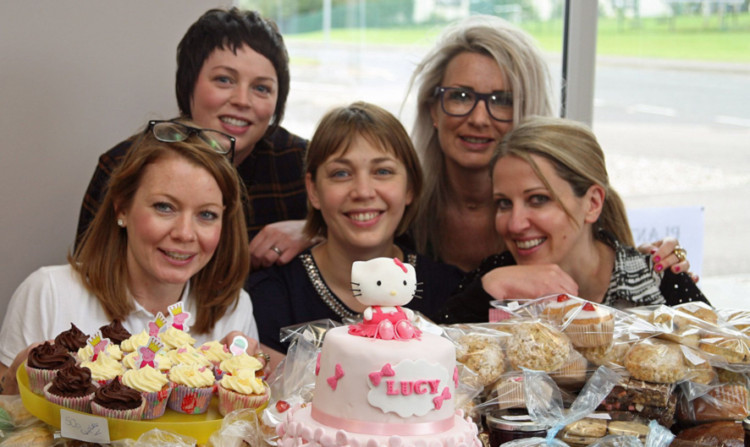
<point x="273" y="174"/>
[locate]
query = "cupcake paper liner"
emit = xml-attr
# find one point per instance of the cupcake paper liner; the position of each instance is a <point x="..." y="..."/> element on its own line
<point x="189" y="400"/>
<point x="80" y="403"/>
<point x="591" y="335"/>
<point x="39" y="378"/>
<point x="230" y="400"/>
<point x="156" y="402"/>
<point x="133" y="414"/>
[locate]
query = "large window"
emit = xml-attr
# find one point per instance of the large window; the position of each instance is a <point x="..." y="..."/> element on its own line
<point x="671" y="111"/>
<point x="668" y="98"/>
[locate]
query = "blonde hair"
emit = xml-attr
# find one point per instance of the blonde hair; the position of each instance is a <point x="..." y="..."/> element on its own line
<point x="338" y="129"/>
<point x="524" y="72"/>
<point x="100" y="258"/>
<point x="578" y="159"/>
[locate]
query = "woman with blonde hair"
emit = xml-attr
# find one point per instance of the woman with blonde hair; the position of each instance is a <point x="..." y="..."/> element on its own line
<point x="481" y="79"/>
<point x="170" y="229"/>
<point x="565" y="229"/>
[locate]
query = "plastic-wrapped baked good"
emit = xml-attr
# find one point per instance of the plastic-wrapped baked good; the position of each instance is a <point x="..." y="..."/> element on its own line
<point x="537" y="346"/>
<point x="734" y="349"/>
<point x="483" y="354"/>
<point x="714" y="434"/>
<point x="653" y="361"/>
<point x="723" y="402"/>
<point x="589" y="325"/>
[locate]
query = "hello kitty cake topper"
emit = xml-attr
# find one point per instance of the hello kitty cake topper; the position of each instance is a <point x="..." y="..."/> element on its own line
<point x="384" y="285"/>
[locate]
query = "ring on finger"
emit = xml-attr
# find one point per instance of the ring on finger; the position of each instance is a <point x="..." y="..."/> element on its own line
<point x="276" y="249"/>
<point x="681" y="253"/>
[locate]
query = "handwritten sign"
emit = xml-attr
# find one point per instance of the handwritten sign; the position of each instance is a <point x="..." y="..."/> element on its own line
<point x="84" y="427"/>
<point x="684" y="223"/>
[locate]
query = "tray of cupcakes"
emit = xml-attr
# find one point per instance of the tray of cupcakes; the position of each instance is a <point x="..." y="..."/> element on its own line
<point x="157" y="378"/>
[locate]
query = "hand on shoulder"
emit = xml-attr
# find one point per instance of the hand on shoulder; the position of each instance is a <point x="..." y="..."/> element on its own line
<point x="278" y="243"/>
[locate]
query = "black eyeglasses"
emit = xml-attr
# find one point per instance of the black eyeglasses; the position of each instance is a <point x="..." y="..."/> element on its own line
<point x="175" y="131"/>
<point x="460" y="101"/>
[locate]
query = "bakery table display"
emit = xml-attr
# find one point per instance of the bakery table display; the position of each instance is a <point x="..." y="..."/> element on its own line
<point x="558" y="366"/>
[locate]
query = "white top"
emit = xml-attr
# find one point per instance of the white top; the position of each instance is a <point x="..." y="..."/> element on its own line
<point x="53" y="297"/>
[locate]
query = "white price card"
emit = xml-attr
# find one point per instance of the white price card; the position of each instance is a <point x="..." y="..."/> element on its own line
<point x="84" y="427"/>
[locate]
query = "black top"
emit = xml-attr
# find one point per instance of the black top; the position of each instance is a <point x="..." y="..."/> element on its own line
<point x="273" y="174"/>
<point x="633" y="283"/>
<point x="296" y="293"/>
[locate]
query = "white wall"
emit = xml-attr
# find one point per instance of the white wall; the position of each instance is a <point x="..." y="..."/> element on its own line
<point x="76" y="77"/>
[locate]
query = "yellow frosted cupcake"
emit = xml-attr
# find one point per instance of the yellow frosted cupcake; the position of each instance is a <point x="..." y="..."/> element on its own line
<point x="153" y="385"/>
<point x="164" y="362"/>
<point x="173" y="338"/>
<point x="193" y="388"/>
<point x="188" y="355"/>
<point x="238" y="362"/>
<point x="112" y="350"/>
<point x="135" y="341"/>
<point x="241" y="390"/>
<point x="215" y="352"/>
<point x="104" y="369"/>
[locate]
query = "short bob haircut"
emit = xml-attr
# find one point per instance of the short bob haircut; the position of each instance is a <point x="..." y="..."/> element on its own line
<point x="578" y="159"/>
<point x="230" y="30"/>
<point x="336" y="132"/>
<point x="100" y="258"/>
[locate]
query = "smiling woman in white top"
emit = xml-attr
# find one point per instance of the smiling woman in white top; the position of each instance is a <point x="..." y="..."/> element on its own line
<point x="169" y="230"/>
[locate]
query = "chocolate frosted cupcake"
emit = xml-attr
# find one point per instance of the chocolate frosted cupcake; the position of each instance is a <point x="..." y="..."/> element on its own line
<point x="115" y="400"/>
<point x="115" y="332"/>
<point x="71" y="388"/>
<point x="44" y="362"/>
<point x="72" y="339"/>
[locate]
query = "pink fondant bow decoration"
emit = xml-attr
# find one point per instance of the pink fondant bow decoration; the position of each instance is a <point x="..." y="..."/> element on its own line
<point x="386" y="371"/>
<point x="333" y="381"/>
<point x="438" y="400"/>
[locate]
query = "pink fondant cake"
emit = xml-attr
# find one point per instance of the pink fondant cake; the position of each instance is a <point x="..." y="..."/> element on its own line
<point x="390" y="392"/>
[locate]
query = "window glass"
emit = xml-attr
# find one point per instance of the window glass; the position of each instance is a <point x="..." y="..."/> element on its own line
<point x="671" y="112"/>
<point x="367" y="50"/>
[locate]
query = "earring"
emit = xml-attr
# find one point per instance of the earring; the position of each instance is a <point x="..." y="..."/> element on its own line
<point x="120" y="223"/>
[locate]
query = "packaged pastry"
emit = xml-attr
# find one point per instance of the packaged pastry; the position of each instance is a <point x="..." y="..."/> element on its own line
<point x="589" y="326"/>
<point x="628" y="428"/>
<point x="508" y="391"/>
<point x="555" y="309"/>
<point x="732" y="348"/>
<point x="537" y="346"/>
<point x="483" y="354"/>
<point x="656" y="361"/>
<point x="722" y="402"/>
